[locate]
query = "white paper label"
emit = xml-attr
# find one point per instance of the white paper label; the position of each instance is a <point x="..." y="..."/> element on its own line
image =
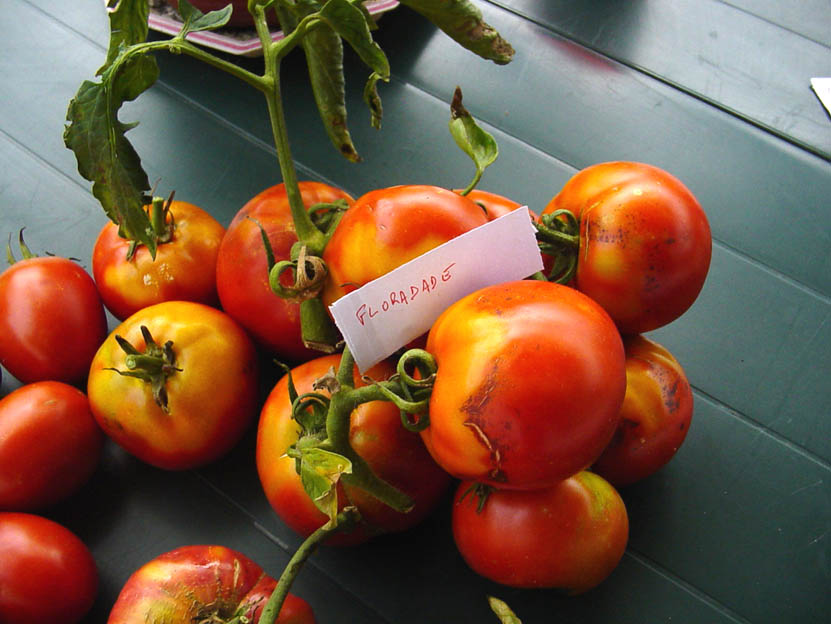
<point x="387" y="313"/>
<point x="822" y="87"/>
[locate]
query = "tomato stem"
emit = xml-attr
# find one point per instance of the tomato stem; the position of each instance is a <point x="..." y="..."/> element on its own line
<point x="271" y="611"/>
<point x="558" y="235"/>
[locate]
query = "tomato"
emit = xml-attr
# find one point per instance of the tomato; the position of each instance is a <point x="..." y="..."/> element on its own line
<point x="385" y="228"/>
<point x="294" y="610"/>
<point x="201" y="583"/>
<point x="210" y="388"/>
<point x="47" y="574"/>
<point x="570" y="536"/>
<point x="493" y="204"/>
<point x="242" y="268"/>
<point x="529" y="385"/>
<point x="51" y="320"/>
<point x="376" y="434"/>
<point x="184" y="268"/>
<point x="645" y="242"/>
<point x="50" y="445"/>
<point x="655" y="415"/>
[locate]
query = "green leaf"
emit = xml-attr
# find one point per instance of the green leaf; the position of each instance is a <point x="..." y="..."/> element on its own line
<point x="473" y="140"/>
<point x="503" y="611"/>
<point x="373" y="100"/>
<point x="352" y="24"/>
<point x="128" y="25"/>
<point x="320" y="472"/>
<point x="194" y="20"/>
<point x="105" y="156"/>
<point x="324" y="57"/>
<point x="462" y="21"/>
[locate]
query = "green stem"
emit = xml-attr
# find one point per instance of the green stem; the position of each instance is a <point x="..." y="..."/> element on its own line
<point x="474" y="182"/>
<point x="338" y="419"/>
<point x="275" y="602"/>
<point x="273" y="52"/>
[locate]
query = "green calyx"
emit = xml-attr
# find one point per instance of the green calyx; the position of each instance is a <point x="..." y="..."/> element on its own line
<point x="154" y="365"/>
<point x="558" y="235"/>
<point x="25" y="252"/>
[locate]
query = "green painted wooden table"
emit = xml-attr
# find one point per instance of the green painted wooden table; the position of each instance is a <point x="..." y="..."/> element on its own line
<point x="736" y="527"/>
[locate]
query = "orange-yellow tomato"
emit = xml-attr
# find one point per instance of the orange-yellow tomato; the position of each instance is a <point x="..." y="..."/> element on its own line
<point x="211" y="388"/>
<point x="529" y="385"/>
<point x="184" y="268"/>
<point x="385" y="228"/>
<point x="654" y="418"/>
<point x="396" y="455"/>
<point x="645" y="242"/>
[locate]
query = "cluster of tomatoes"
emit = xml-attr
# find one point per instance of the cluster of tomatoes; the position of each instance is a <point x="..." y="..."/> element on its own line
<point x="537" y="382"/>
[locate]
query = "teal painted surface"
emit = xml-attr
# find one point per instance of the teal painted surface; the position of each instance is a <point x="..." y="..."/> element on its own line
<point x="734" y="529"/>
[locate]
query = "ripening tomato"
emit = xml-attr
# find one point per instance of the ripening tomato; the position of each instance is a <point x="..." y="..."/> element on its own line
<point x="200" y="390"/>
<point x="529" y="385"/>
<point x="396" y="455"/>
<point x="49" y="447"/>
<point x="570" y="536"/>
<point x="184" y="268"/>
<point x="51" y="320"/>
<point x="294" y="610"/>
<point x="645" y="242"/>
<point x="47" y="574"/>
<point x="204" y="583"/>
<point x="242" y="268"/>
<point x="385" y="228"/>
<point x="493" y="204"/>
<point x="654" y="418"/>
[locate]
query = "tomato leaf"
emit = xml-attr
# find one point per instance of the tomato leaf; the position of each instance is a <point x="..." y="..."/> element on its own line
<point x="463" y="22"/>
<point x="194" y="20"/>
<point x="352" y="24"/>
<point x="373" y="100"/>
<point x="105" y="156"/>
<point x="324" y="58"/>
<point x="320" y="472"/>
<point x="473" y="140"/>
<point x="128" y="25"/>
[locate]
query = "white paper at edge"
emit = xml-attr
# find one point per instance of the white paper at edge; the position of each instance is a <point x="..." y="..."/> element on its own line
<point x="387" y="313"/>
<point x="822" y="87"/>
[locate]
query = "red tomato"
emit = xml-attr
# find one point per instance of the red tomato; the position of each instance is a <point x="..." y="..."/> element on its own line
<point x="654" y="418"/>
<point x="294" y="610"/>
<point x="529" y="385"/>
<point x="385" y="228"/>
<point x="645" y="242"/>
<point x="47" y="574"/>
<point x="200" y="584"/>
<point x="51" y="320"/>
<point x="494" y="205"/>
<point x="376" y="434"/>
<point x="570" y="536"/>
<point x="211" y="386"/>
<point x="184" y="268"/>
<point x="50" y="445"/>
<point x="242" y="268"/>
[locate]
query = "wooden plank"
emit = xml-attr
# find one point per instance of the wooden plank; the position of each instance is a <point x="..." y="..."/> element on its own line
<point x="679" y="518"/>
<point x="744" y="64"/>
<point x="764" y="197"/>
<point x="119" y="515"/>
<point x="811" y="20"/>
